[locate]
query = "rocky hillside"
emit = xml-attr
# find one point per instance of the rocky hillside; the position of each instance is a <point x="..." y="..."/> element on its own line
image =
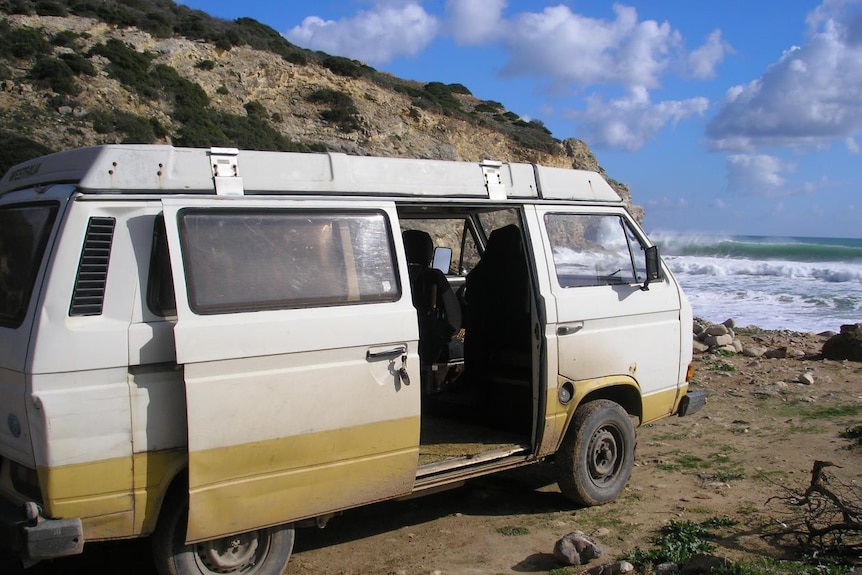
<point x="77" y="73"/>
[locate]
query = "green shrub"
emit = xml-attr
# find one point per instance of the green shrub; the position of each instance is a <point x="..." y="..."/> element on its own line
<point x="222" y="90"/>
<point x="102" y="122"/>
<point x="157" y="24"/>
<point x="459" y="89"/>
<point x="488" y="108"/>
<point x="18" y="7"/>
<point x="55" y="74"/>
<point x="65" y="38"/>
<point x="50" y="8"/>
<point x="255" y="109"/>
<point x="15" y="148"/>
<point x="345" y="66"/>
<point x="342" y="111"/>
<point x="205" y="65"/>
<point x="78" y="64"/>
<point x="128" y="66"/>
<point x="331" y="97"/>
<point x="188" y="98"/>
<point x="23" y="43"/>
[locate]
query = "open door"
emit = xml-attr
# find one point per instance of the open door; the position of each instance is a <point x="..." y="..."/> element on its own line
<point x="607" y="324"/>
<point x="298" y="341"/>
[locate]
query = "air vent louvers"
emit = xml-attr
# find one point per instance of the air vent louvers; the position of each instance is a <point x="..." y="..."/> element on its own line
<point x="89" y="293"/>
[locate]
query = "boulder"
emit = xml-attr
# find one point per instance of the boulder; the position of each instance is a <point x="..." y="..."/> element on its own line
<point x="576" y="549"/>
<point x="718" y="340"/>
<point x="845" y="345"/>
<point x="716" y="330"/>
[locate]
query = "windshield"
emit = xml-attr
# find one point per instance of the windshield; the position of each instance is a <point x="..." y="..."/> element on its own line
<point x="24" y="231"/>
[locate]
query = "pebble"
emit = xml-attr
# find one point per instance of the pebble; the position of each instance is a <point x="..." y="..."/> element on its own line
<point x="806" y="378"/>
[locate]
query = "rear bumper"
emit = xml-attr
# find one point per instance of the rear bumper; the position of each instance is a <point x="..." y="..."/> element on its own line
<point x="693" y="401"/>
<point x="32" y="537"/>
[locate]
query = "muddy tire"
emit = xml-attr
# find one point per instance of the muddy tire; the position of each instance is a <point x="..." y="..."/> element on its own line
<point x="595" y="461"/>
<point x="261" y="552"/>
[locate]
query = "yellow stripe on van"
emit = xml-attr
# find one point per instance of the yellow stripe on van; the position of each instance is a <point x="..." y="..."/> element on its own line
<point x="661" y="404"/>
<point x="243" y="487"/>
<point x="94" y="489"/>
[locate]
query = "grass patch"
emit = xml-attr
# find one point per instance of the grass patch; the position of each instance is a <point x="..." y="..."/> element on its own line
<point x="676" y="542"/>
<point x="513" y="530"/>
<point x="808" y="412"/>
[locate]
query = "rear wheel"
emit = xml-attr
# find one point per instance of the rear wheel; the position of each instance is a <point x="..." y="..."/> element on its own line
<point x="595" y="461"/>
<point x="260" y="552"/>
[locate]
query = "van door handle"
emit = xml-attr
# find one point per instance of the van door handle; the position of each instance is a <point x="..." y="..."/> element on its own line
<point x="386" y="354"/>
<point x="570" y="328"/>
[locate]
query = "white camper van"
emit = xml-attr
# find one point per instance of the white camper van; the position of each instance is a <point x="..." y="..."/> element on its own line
<point x="215" y="347"/>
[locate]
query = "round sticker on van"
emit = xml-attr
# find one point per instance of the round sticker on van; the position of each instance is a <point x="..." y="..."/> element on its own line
<point x="14" y="425"/>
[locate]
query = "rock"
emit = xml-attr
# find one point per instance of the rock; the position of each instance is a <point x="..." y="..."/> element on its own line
<point x="777" y="353"/>
<point x="576" y="549"/>
<point x="729" y="323"/>
<point x="754" y="350"/>
<point x="737" y="346"/>
<point x="805" y="378"/>
<point x="618" y="568"/>
<point x="718" y="340"/>
<point x="699" y="347"/>
<point x="702" y="563"/>
<point x="666" y="568"/>
<point x="846" y="345"/>
<point x="716" y="330"/>
<point x="697" y="329"/>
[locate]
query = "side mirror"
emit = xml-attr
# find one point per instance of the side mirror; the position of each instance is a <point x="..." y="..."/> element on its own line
<point x="653" y="266"/>
<point x="442" y="259"/>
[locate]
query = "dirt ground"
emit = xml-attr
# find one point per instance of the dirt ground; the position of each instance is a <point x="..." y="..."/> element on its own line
<point x="759" y="433"/>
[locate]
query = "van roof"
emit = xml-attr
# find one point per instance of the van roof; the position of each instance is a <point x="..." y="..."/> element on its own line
<point x="158" y="169"/>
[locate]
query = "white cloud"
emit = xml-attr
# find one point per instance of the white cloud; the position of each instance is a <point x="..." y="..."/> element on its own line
<point x="473" y="22"/>
<point x="852" y="145"/>
<point x="572" y="48"/>
<point x="757" y="174"/>
<point x="375" y="36"/>
<point x="630" y="121"/>
<point x="811" y="96"/>
<point x="703" y="60"/>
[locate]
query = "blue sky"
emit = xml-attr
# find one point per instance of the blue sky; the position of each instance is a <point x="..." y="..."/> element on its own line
<point x="724" y="117"/>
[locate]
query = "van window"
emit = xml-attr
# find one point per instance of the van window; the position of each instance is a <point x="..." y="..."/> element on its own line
<point x="160" y="283"/>
<point x="248" y="260"/>
<point x="24" y="231"/>
<point x="593" y="250"/>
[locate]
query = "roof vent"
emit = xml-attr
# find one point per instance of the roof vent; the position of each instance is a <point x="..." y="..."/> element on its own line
<point x="89" y="293"/>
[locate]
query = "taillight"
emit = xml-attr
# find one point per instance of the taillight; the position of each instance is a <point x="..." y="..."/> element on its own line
<point x="689" y="373"/>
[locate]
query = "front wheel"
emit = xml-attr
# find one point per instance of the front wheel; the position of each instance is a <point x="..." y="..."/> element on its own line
<point x="595" y="460"/>
<point x="261" y="552"/>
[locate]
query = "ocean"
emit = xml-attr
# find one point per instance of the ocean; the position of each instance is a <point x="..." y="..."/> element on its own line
<point x="794" y="283"/>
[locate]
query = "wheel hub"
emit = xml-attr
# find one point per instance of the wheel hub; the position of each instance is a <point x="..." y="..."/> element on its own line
<point x="229" y="555"/>
<point x="604" y="455"/>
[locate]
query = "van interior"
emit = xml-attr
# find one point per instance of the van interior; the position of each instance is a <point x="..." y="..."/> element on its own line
<point x="473" y="294"/>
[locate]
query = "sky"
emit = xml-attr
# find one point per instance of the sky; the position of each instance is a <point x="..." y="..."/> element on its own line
<point x="724" y="117"/>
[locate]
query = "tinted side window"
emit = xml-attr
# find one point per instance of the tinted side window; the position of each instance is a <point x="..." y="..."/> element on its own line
<point x="248" y="260"/>
<point x="160" y="283"/>
<point x="24" y="232"/>
<point x="591" y="250"/>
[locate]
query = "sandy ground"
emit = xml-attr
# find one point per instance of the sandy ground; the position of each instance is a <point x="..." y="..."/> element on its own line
<point x="758" y="435"/>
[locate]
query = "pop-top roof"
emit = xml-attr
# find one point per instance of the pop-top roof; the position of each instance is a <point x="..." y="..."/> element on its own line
<point x="146" y="169"/>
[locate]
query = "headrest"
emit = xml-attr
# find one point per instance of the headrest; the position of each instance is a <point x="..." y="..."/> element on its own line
<point x="419" y="247"/>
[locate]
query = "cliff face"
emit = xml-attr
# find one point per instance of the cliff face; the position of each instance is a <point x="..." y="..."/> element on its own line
<point x="306" y="103"/>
